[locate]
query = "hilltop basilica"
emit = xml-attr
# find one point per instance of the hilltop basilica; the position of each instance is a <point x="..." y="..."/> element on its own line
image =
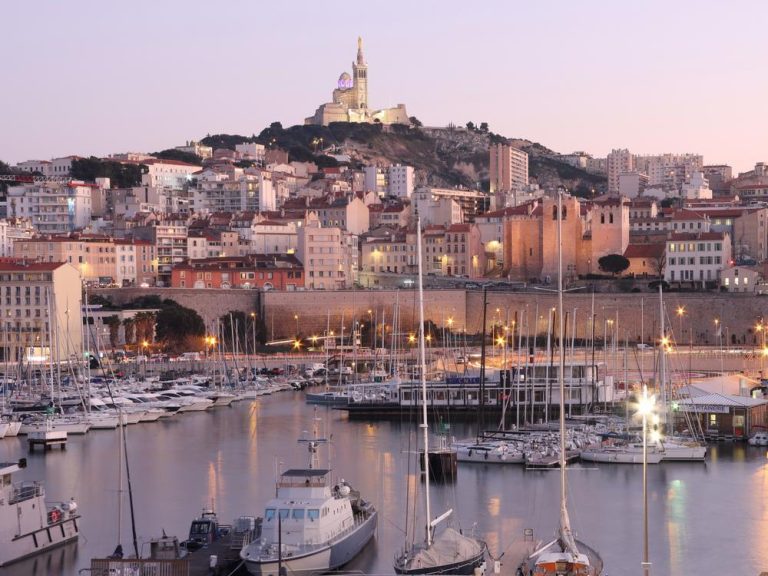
<point x="350" y="100"/>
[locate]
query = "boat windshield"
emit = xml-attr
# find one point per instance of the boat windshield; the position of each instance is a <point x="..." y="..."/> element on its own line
<point x="269" y="514"/>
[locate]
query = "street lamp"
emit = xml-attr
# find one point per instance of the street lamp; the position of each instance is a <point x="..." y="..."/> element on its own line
<point x="296" y="317"/>
<point x="680" y="314"/>
<point x="645" y="409"/>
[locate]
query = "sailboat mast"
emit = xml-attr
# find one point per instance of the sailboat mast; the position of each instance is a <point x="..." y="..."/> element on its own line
<point x="561" y="371"/>
<point x="423" y="363"/>
<point x="662" y="362"/>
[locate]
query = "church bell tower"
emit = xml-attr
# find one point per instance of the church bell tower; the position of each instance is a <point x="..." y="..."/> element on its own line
<point x="360" y="78"/>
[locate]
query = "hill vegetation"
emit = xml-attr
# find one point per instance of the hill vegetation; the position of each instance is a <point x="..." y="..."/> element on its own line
<point x="450" y="156"/>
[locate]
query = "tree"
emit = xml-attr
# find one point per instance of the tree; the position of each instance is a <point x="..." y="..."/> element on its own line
<point x="120" y="175"/>
<point x="483" y="126"/>
<point x="180" y="155"/>
<point x="613" y="263"/>
<point x="144" y="323"/>
<point x="470" y="126"/>
<point x="177" y="327"/>
<point x="659" y="263"/>
<point x="113" y="322"/>
<point x="416" y="122"/>
<point x="129" y="329"/>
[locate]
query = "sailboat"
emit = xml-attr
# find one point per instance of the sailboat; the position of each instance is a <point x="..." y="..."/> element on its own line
<point x="450" y="551"/>
<point x="665" y="447"/>
<point x="564" y="556"/>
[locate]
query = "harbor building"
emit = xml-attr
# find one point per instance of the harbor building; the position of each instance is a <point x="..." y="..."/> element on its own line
<point x="40" y="310"/>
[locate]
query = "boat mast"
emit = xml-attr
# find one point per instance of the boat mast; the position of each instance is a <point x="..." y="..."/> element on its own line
<point x="662" y="363"/>
<point x="423" y="363"/>
<point x="568" y="542"/>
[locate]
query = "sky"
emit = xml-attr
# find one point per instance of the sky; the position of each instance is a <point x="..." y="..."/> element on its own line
<point x="90" y="77"/>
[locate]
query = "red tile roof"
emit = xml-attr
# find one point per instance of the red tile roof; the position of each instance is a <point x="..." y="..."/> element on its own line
<point x="644" y="251"/>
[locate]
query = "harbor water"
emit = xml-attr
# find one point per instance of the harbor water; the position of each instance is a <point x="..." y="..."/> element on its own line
<point x="709" y="518"/>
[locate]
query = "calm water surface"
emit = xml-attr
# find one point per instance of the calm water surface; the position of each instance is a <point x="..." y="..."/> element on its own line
<point x="704" y="518"/>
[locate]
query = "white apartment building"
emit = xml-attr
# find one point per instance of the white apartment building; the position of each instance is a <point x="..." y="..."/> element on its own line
<point x="251" y="151"/>
<point x="56" y="167"/>
<point x="12" y="231"/>
<point x="401" y="181"/>
<point x="171" y="174"/>
<point x="197" y="149"/>
<point x="508" y="168"/>
<point x="436" y="210"/>
<point x="376" y="180"/>
<point x="222" y="192"/>
<point x="697" y="188"/>
<point x="269" y="237"/>
<point x="39" y="312"/>
<point x="325" y="253"/>
<point x="618" y="162"/>
<point x="669" y="170"/>
<point x="696" y="258"/>
<point x="40" y="166"/>
<point x="632" y="184"/>
<point x="52" y="207"/>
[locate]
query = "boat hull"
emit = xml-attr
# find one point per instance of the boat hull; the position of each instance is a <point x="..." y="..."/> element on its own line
<point x="39" y="540"/>
<point x="320" y="560"/>
<point x="620" y="456"/>
<point x="465" y="567"/>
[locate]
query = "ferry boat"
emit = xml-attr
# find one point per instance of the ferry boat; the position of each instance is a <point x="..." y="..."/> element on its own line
<point x="27" y="525"/>
<point x="310" y="527"/>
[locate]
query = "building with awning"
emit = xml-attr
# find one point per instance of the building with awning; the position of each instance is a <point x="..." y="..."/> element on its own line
<point x="724" y="415"/>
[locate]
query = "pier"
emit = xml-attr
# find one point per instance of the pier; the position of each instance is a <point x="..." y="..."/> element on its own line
<point x="47" y="439"/>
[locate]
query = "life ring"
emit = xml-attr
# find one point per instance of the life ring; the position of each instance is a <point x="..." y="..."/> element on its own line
<point x="55" y="515"/>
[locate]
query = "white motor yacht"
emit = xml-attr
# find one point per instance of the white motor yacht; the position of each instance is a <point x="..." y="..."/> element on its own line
<point x="28" y="525"/>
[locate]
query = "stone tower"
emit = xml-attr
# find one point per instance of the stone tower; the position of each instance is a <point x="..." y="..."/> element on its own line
<point x="610" y="228"/>
<point x="360" y="78"/>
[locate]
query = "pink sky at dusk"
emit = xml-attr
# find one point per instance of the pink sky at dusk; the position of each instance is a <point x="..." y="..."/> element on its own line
<point x="93" y="78"/>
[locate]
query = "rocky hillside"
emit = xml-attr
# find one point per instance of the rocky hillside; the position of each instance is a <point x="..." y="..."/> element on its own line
<point x="442" y="156"/>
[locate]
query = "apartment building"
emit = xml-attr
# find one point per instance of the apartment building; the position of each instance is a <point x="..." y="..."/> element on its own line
<point x="52" y="207"/>
<point x="618" y="162"/>
<point x="508" y="168"/>
<point x="170" y="241"/>
<point x="40" y="314"/>
<point x="696" y="258"/>
<point x="255" y="272"/>
<point x="326" y="254"/>
<point x="12" y="231"/>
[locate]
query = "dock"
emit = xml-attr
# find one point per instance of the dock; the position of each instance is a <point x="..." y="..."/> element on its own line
<point x="550" y="460"/>
<point x="47" y="439"/>
<point x="514" y="555"/>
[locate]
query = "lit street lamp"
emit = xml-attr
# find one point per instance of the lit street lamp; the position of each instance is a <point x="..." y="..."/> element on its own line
<point x="680" y="314"/>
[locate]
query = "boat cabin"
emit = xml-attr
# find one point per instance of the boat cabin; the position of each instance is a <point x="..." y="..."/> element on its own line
<point x="307" y="511"/>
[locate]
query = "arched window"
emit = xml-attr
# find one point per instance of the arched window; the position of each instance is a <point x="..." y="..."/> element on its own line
<point x="565" y="212"/>
<point x="610" y="217"/>
<point x="602" y="218"/>
<point x="554" y="212"/>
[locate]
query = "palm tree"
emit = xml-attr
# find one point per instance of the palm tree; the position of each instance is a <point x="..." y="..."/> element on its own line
<point x="129" y="329"/>
<point x="114" y="329"/>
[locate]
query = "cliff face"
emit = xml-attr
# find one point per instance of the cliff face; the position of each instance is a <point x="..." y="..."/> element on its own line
<point x="446" y="157"/>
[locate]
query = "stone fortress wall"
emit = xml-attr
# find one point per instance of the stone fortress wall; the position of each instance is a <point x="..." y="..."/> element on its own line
<point x="628" y="316"/>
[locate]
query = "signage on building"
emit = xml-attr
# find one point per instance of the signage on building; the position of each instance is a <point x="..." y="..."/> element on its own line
<point x="704" y="408"/>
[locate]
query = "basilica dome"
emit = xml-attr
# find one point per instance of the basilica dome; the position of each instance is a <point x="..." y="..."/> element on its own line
<point x="345" y="81"/>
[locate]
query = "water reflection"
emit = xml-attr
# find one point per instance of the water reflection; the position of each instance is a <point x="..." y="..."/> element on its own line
<point x="704" y="519"/>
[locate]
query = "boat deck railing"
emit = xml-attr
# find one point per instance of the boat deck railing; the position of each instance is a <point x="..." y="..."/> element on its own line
<point x="25" y="491"/>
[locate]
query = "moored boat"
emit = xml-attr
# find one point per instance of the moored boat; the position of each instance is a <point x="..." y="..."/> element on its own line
<point x="310" y="527"/>
<point x="27" y="525"/>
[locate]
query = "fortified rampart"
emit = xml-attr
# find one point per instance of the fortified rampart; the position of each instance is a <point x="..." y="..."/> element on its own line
<point x="627" y="316"/>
